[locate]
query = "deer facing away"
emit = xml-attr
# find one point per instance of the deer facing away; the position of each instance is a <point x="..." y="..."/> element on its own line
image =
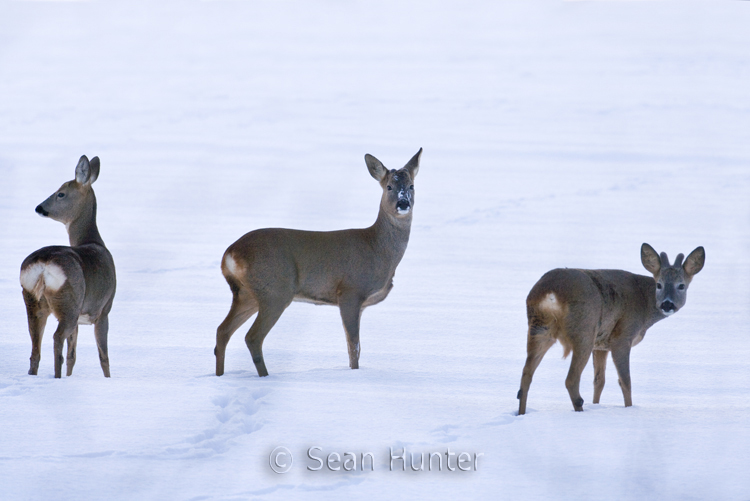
<point x="602" y="311"/>
<point x="269" y="268"/>
<point x="76" y="283"/>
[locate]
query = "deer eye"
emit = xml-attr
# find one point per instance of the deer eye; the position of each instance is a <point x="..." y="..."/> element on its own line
<point x="681" y="286"/>
<point x="658" y="286"/>
<point x="389" y="187"/>
<point x="411" y="187"/>
<point x="61" y="195"/>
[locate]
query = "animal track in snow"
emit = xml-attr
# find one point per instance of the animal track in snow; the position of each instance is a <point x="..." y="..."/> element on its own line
<point x="235" y="416"/>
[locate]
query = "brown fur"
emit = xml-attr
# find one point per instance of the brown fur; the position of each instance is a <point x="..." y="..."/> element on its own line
<point x="76" y="283"/>
<point x="601" y="311"/>
<point x="268" y="269"/>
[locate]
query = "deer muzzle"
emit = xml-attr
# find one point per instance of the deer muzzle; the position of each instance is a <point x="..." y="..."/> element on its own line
<point x="667" y="307"/>
<point x="403" y="206"/>
<point x="40" y="210"/>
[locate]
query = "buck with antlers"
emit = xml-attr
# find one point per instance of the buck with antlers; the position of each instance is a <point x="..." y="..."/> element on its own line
<point x="267" y="269"/>
<point x="76" y="283"/>
<point x="602" y="311"/>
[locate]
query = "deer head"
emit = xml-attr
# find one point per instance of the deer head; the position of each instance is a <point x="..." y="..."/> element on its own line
<point x="70" y="200"/>
<point x="398" y="185"/>
<point x="672" y="280"/>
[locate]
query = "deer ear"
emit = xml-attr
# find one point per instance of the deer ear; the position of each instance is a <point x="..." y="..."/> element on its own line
<point x="650" y="259"/>
<point x="694" y="262"/>
<point x="376" y="167"/>
<point x="87" y="171"/>
<point x="83" y="170"/>
<point x="94" y="167"/>
<point x="413" y="164"/>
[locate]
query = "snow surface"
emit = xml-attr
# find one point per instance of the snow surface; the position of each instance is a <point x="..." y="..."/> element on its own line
<point x="554" y="134"/>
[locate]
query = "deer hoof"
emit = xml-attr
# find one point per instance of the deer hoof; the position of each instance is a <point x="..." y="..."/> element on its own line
<point x="578" y="404"/>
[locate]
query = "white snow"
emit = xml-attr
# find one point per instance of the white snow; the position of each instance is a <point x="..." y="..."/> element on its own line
<point x="555" y="134"/>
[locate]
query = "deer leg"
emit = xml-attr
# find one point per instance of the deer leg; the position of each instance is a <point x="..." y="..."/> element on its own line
<point x="66" y="304"/>
<point x="268" y="314"/>
<point x="351" y="312"/>
<point x="539" y="341"/>
<point x="238" y="315"/>
<point x="70" y="360"/>
<point x="573" y="381"/>
<point x="600" y="366"/>
<point x="621" y="358"/>
<point x="37" y="312"/>
<point x="101" y="329"/>
<point x="65" y="328"/>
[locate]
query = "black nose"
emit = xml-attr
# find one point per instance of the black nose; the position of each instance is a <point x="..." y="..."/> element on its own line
<point x="40" y="210"/>
<point x="402" y="205"/>
<point x="667" y="306"/>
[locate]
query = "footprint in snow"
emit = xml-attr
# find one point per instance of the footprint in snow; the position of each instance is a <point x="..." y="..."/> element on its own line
<point x="235" y="417"/>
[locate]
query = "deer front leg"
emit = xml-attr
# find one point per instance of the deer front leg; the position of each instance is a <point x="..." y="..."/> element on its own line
<point x="70" y="360"/>
<point x="600" y="366"/>
<point x="101" y="328"/>
<point x="350" y="308"/>
<point x="621" y="358"/>
<point x="37" y="312"/>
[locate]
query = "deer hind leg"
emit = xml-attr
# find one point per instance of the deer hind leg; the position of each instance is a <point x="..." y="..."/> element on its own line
<point x="37" y="311"/>
<point x="269" y="312"/>
<point x="70" y="360"/>
<point x="101" y="328"/>
<point x="579" y="360"/>
<point x="66" y="305"/>
<point x="621" y="358"/>
<point x="66" y="327"/>
<point x="240" y="311"/>
<point x="351" y="313"/>
<point x="539" y="341"/>
<point x="600" y="366"/>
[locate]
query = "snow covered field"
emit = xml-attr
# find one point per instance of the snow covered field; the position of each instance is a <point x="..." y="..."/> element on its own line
<point x="555" y="134"/>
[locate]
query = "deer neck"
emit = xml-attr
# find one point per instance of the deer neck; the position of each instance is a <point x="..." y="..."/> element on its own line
<point x="83" y="230"/>
<point x="390" y="234"/>
<point x="653" y="313"/>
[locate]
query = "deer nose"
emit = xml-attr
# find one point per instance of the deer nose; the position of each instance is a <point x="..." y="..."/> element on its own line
<point x="668" y="307"/>
<point x="402" y="205"/>
<point x="40" y="210"/>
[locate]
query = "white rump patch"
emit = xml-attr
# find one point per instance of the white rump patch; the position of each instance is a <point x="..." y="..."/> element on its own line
<point x="550" y="303"/>
<point x="54" y="276"/>
<point x="30" y="276"/>
<point x="40" y="276"/>
<point x="231" y="265"/>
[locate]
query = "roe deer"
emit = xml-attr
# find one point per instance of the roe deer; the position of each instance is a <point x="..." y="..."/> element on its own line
<point x="76" y="283"/>
<point x="602" y="311"/>
<point x="267" y="269"/>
